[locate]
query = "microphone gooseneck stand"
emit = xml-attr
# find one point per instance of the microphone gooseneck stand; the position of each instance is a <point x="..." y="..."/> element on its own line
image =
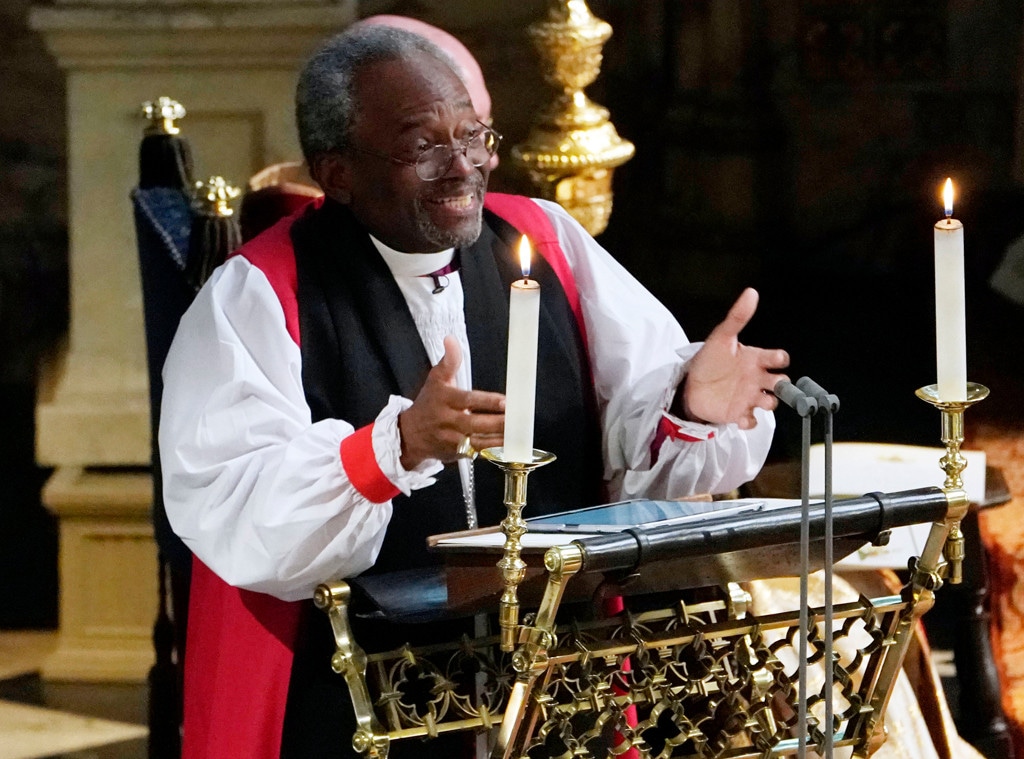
<point x="805" y="407"/>
<point x="808" y="398"/>
<point x="828" y="405"/>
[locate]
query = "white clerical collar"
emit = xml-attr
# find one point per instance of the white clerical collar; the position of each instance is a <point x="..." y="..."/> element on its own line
<point x="412" y="264"/>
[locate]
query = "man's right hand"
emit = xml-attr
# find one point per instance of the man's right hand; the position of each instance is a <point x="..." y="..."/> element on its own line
<point x="443" y="415"/>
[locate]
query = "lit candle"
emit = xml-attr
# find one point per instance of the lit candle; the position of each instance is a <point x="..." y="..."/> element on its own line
<point x="521" y="373"/>
<point x="950" y="319"/>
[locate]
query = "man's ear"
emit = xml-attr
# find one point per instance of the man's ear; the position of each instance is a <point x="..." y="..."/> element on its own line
<point x="332" y="172"/>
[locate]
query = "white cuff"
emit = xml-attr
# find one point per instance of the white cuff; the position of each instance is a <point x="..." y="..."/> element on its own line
<point x="686" y="427"/>
<point x="387" y="448"/>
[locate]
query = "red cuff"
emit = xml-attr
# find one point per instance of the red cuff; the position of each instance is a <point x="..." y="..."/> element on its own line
<point x="360" y="464"/>
<point x="667" y="429"/>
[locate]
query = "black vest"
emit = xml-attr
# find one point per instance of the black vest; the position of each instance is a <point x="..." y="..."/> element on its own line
<point x="359" y="346"/>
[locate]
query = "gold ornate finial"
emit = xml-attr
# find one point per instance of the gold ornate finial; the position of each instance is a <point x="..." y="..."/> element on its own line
<point x="213" y="196"/>
<point x="573" y="148"/>
<point x="162" y="113"/>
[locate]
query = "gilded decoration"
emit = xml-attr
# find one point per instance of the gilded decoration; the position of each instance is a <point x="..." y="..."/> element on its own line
<point x="688" y="679"/>
<point x="573" y="148"/>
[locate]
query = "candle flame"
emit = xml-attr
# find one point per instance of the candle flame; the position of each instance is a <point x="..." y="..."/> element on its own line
<point x="947" y="197"/>
<point x="524" y="256"/>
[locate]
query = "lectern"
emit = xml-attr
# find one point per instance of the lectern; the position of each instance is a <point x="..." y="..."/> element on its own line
<point x="684" y="670"/>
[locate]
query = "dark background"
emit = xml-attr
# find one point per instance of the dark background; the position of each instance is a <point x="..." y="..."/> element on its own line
<point x="794" y="145"/>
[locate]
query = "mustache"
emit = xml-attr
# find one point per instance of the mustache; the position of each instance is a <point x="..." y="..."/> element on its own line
<point x="447" y="188"/>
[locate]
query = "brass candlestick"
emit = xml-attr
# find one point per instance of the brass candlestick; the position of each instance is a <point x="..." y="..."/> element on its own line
<point x="513" y="568"/>
<point x="953" y="462"/>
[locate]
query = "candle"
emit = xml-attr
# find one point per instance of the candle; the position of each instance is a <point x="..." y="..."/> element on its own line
<point x="950" y="319"/>
<point x="521" y="373"/>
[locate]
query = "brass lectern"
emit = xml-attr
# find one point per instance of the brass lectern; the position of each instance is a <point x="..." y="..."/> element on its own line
<point x="683" y="670"/>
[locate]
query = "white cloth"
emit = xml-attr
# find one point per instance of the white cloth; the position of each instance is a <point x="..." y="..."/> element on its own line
<point x="257" y="491"/>
<point x="907" y="731"/>
<point x="436" y="315"/>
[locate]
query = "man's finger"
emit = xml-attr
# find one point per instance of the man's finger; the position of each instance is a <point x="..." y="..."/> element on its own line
<point x="483" y="402"/>
<point x="484" y="441"/>
<point x="739" y="315"/>
<point x="775" y="359"/>
<point x="449" y="364"/>
<point x="484" y="424"/>
<point x="747" y="421"/>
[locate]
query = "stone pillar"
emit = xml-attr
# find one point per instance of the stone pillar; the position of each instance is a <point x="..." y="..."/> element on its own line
<point x="233" y="64"/>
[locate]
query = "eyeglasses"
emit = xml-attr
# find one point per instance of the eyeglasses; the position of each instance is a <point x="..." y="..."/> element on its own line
<point x="435" y="161"/>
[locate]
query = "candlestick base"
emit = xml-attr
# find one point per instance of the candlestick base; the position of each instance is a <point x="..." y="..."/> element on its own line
<point x="513" y="568"/>
<point x="953" y="462"/>
<point x="930" y="394"/>
<point x="497" y="456"/>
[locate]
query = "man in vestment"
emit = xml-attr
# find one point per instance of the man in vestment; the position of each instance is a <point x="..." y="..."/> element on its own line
<point x="327" y="388"/>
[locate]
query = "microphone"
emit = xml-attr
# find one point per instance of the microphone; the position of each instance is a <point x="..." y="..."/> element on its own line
<point x="828" y="405"/>
<point x="795" y="398"/>
<point x="827" y="401"/>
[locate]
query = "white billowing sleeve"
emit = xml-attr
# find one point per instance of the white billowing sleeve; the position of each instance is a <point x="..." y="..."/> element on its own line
<point x="254" y="488"/>
<point x="639" y="355"/>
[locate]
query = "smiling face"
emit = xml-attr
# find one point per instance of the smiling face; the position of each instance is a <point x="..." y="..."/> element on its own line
<point x="405" y="106"/>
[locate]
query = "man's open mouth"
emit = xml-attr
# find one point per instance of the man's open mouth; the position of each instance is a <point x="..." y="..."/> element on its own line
<point x="456" y="203"/>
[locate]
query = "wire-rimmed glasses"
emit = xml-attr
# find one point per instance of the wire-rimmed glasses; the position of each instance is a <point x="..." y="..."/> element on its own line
<point x="434" y="161"/>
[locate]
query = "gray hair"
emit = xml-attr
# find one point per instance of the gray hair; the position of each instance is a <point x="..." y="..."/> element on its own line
<point x="325" y="106"/>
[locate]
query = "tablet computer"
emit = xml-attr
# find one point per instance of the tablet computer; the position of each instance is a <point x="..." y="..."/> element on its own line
<point x="614" y="517"/>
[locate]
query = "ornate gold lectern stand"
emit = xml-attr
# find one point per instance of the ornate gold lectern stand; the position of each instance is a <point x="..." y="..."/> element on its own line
<point x="683" y="671"/>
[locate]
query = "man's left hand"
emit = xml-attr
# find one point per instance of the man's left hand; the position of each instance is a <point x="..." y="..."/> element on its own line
<point x="726" y="379"/>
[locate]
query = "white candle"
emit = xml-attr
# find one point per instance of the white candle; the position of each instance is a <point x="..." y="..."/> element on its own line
<point x="950" y="317"/>
<point x="521" y="372"/>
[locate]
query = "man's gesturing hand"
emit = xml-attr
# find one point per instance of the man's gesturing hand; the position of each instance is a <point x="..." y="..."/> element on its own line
<point x="442" y="415"/>
<point x="727" y="380"/>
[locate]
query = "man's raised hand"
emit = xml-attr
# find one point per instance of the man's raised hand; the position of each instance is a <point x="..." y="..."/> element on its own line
<point x="442" y="415"/>
<point x="727" y="380"/>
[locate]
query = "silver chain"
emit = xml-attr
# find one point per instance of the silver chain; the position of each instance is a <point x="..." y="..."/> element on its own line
<point x="469" y="494"/>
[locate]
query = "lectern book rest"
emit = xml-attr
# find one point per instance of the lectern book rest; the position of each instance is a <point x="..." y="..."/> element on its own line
<point x="563" y="527"/>
<point x="714" y="544"/>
